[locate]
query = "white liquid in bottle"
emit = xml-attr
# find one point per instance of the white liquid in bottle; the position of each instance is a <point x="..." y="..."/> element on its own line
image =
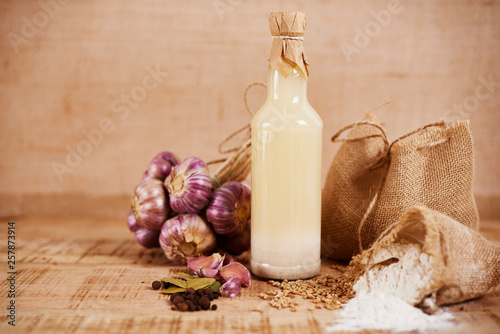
<point x="286" y="181"/>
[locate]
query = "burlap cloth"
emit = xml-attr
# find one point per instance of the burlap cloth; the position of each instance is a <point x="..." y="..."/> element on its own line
<point x="370" y="182"/>
<point x="464" y="265"/>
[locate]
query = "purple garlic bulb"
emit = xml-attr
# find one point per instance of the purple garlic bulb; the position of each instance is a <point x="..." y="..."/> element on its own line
<point x="131" y="222"/>
<point x="186" y="236"/>
<point x="170" y="157"/>
<point x="189" y="186"/>
<point x="229" y="209"/>
<point x="145" y="237"/>
<point x="161" y="165"/>
<point x="150" y="204"/>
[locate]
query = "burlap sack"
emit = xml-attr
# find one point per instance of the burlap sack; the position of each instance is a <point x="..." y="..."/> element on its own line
<point x="434" y="170"/>
<point x="350" y="186"/>
<point x="464" y="265"/>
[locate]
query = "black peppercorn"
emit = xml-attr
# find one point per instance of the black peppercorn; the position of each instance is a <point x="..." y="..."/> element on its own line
<point x="177" y="300"/>
<point x="204" y="303"/>
<point x="183" y="307"/>
<point x="193" y="300"/>
<point x="156" y="285"/>
<point x="172" y="296"/>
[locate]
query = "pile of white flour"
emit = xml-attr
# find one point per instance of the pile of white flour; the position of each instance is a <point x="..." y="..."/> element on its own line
<point x="386" y="293"/>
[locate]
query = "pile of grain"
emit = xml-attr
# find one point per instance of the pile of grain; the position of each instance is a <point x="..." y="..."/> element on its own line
<point x="323" y="291"/>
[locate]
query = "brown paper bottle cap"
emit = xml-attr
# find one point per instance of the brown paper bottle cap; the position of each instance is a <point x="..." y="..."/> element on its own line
<point x="287" y="51"/>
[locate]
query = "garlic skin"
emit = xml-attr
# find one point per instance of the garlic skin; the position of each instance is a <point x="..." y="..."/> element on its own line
<point x="185" y="236"/>
<point x="231" y="288"/>
<point x="235" y="245"/>
<point x="238" y="270"/>
<point x="209" y="273"/>
<point x="205" y="265"/>
<point x="150" y="204"/>
<point x="189" y="186"/>
<point x="161" y="165"/>
<point x="229" y="209"/>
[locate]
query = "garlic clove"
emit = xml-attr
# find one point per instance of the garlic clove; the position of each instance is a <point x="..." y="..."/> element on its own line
<point x="238" y="270"/>
<point x="231" y="288"/>
<point x="189" y="186"/>
<point x="207" y="272"/>
<point x="212" y="262"/>
<point x="228" y="259"/>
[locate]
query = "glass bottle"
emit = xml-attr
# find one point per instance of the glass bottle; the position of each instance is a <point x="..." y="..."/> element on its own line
<point x="286" y="171"/>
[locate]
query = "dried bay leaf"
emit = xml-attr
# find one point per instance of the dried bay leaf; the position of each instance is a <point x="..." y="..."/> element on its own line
<point x="215" y="287"/>
<point x="173" y="289"/>
<point x="175" y="281"/>
<point x="200" y="283"/>
<point x="186" y="276"/>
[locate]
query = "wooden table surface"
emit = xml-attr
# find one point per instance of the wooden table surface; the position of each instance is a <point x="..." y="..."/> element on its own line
<point x="77" y="275"/>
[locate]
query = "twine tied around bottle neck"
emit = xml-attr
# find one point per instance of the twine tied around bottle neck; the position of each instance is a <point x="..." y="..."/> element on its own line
<point x="300" y="38"/>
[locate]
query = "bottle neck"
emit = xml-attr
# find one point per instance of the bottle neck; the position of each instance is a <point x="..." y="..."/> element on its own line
<point x="292" y="89"/>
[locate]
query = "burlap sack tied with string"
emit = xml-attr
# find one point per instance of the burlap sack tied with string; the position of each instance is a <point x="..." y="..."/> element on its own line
<point x="463" y="265"/>
<point x="350" y="186"/>
<point x="371" y="183"/>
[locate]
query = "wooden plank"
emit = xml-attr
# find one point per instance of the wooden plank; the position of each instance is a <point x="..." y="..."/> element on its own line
<point x="61" y="321"/>
<point x="87" y="282"/>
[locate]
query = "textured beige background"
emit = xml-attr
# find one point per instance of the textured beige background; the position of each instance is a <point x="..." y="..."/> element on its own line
<point x="63" y="73"/>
